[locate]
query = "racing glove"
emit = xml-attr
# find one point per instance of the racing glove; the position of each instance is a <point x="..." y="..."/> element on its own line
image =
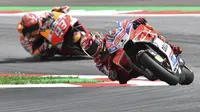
<point x="43" y="48"/>
<point x="63" y="9"/>
<point x="139" y="21"/>
<point x="113" y="75"/>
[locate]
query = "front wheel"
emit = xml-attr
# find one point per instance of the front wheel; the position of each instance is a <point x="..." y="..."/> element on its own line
<point x="189" y="76"/>
<point x="160" y="72"/>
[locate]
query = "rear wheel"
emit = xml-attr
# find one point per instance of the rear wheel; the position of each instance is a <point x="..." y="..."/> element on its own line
<point x="157" y="69"/>
<point x="189" y="76"/>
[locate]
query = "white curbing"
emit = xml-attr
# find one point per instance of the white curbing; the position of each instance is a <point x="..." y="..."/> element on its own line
<point x="87" y="76"/>
<point x="140" y="81"/>
<point x="37" y="85"/>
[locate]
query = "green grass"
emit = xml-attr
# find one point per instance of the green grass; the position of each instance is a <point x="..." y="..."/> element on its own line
<point x="43" y="80"/>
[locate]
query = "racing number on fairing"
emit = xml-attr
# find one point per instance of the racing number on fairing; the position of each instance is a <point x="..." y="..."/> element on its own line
<point x="164" y="47"/>
<point x="60" y="28"/>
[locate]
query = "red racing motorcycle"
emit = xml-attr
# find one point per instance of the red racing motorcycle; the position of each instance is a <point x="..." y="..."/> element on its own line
<point x="142" y="50"/>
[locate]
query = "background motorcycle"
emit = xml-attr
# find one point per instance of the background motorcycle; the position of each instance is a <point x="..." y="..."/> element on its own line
<point x="142" y="50"/>
<point x="60" y="33"/>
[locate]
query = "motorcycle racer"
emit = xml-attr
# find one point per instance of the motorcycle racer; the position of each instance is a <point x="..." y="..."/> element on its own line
<point x="94" y="46"/>
<point x="31" y="26"/>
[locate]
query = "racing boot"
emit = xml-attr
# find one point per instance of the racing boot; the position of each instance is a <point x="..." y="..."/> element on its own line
<point x="176" y="49"/>
<point x="124" y="78"/>
<point x="120" y="76"/>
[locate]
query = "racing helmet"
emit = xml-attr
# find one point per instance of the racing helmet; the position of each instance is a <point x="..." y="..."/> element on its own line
<point x="31" y="22"/>
<point x="92" y="44"/>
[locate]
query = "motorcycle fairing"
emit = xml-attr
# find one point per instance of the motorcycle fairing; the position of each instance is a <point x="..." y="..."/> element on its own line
<point x="166" y="49"/>
<point x="143" y="34"/>
<point x="118" y="42"/>
<point x="122" y="59"/>
<point x="59" y="25"/>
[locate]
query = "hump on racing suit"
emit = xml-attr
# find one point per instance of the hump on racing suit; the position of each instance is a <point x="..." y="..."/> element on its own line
<point x="72" y="32"/>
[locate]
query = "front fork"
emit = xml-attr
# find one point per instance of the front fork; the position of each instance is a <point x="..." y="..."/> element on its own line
<point x="163" y="62"/>
<point x="133" y="54"/>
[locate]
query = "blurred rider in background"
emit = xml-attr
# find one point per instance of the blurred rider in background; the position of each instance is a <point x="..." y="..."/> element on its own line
<point x="30" y="27"/>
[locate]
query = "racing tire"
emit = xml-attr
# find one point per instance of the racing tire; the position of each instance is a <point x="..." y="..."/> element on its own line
<point x="157" y="69"/>
<point x="189" y="76"/>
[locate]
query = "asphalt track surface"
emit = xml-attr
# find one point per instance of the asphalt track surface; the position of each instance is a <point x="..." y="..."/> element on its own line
<point x="183" y="31"/>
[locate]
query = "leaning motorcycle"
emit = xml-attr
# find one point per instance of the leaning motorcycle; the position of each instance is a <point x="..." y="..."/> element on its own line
<point x="59" y="35"/>
<point x="142" y="50"/>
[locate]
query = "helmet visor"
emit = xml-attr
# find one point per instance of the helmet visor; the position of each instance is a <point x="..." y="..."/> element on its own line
<point x="32" y="28"/>
<point x="92" y="50"/>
